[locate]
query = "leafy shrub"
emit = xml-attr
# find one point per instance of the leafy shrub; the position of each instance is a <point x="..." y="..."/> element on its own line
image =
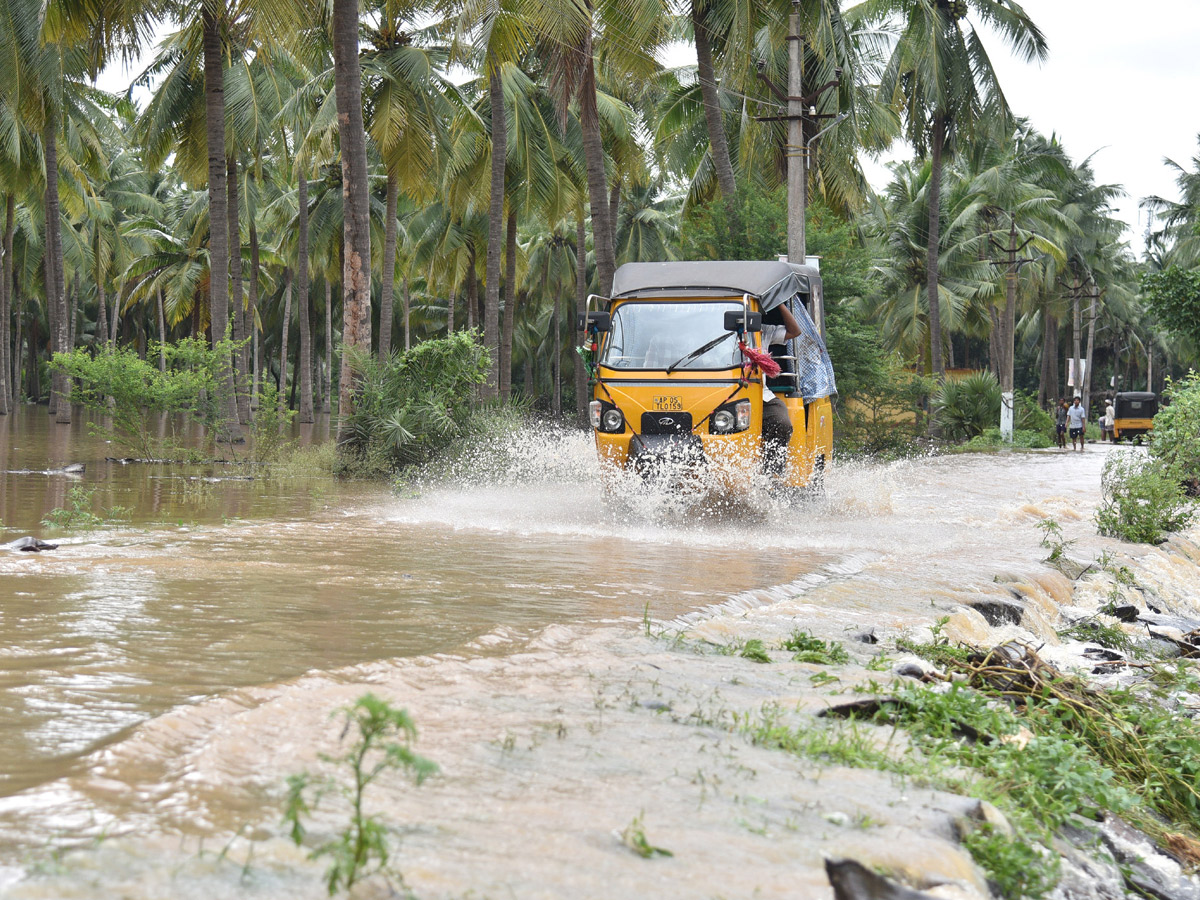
<point x="1141" y="500"/>
<point x="414" y="404"/>
<point x="1026" y="440"/>
<point x="964" y="407"/>
<point x="1176" y="441"/>
<point x="382" y="742"/>
<point x="116" y="383"/>
<point x="1028" y="416"/>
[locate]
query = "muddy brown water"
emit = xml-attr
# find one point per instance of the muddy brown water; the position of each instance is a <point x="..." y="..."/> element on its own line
<point x="217" y="597"/>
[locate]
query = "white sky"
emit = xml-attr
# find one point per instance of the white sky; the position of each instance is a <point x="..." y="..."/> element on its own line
<point x="1122" y="81"/>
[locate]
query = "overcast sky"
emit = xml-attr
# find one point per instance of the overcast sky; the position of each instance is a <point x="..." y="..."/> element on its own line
<point x="1119" y="84"/>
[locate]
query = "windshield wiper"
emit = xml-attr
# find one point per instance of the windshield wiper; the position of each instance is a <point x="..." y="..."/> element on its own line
<point x="699" y="351"/>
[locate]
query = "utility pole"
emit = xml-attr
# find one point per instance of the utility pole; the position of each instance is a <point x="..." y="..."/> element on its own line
<point x="801" y="117"/>
<point x="797" y="170"/>
<point x="1008" y="322"/>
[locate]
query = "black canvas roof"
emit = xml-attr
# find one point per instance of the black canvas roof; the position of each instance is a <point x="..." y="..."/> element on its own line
<point x="771" y="281"/>
<point x="1136" y="395"/>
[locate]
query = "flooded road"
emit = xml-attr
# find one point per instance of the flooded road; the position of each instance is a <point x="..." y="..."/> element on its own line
<point x="162" y="673"/>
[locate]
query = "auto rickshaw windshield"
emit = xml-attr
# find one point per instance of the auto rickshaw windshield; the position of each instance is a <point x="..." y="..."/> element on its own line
<point x="655" y="334"/>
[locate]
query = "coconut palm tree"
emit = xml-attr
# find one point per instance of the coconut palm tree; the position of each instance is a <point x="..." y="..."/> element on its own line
<point x="940" y="77"/>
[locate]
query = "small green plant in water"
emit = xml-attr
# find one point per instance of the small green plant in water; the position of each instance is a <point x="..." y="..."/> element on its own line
<point x="1053" y="540"/>
<point x="634" y="837"/>
<point x="77" y="514"/>
<point x="382" y="742"/>
<point x="1141" y="501"/>
<point x="806" y="648"/>
<point x="754" y="650"/>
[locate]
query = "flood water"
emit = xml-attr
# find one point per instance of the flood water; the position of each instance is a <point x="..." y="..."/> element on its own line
<point x="212" y="586"/>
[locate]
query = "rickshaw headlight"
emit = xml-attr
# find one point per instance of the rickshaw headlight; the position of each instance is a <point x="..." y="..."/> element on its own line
<point x="742" y="410"/>
<point x="612" y="420"/>
<point x="723" y="421"/>
<point x="594" y="413"/>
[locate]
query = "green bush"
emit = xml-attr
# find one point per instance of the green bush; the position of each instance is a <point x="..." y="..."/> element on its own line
<point x="964" y="407"/>
<point x="412" y="406"/>
<point x="1028" y="416"/>
<point x="117" y="384"/>
<point x="1141" y="500"/>
<point x="1026" y="440"/>
<point x="1176" y="442"/>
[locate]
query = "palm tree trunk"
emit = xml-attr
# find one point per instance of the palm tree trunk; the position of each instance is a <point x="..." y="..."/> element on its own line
<point x="237" y="310"/>
<point x="581" y="398"/>
<point x="407" y="311"/>
<point x="556" y="360"/>
<point x="356" y="266"/>
<point x="101" y="332"/>
<point x="1076" y="340"/>
<point x="218" y="236"/>
<point x="283" y="338"/>
<point x="510" y="305"/>
<point x="1087" y="365"/>
<point x="115" y="318"/>
<point x="252" y="316"/>
<point x="593" y="150"/>
<point x="18" y="340"/>
<point x="491" y="302"/>
<point x="54" y="269"/>
<point x="707" y="77"/>
<point x="933" y="248"/>
<point x="329" y="345"/>
<point x="387" y="289"/>
<point x="304" y="369"/>
<point x="472" y="290"/>
<point x="1047" y="392"/>
<point x="162" y="334"/>
<point x="6" y="394"/>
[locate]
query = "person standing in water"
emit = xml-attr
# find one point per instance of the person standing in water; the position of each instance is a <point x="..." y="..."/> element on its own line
<point x="1060" y="423"/>
<point x="1077" y="422"/>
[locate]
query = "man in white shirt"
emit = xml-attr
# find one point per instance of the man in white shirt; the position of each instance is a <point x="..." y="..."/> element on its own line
<point x="779" y="325"/>
<point x="1076" y="422"/>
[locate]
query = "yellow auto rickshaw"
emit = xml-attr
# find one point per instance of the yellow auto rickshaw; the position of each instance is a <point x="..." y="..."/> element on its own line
<point x="677" y="372"/>
<point x="1134" y="414"/>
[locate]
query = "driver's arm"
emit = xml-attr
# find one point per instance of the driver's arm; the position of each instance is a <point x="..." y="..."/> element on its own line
<point x="789" y="322"/>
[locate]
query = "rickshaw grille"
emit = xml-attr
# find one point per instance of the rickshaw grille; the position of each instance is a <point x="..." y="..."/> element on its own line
<point x="666" y="423"/>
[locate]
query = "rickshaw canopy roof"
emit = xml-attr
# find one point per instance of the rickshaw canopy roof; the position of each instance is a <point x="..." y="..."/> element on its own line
<point x="770" y="282"/>
<point x="1136" y="395"/>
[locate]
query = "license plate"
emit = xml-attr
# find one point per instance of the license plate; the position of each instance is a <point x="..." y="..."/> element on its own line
<point x="668" y="404"/>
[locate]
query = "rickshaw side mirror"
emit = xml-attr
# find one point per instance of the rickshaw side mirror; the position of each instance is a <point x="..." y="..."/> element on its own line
<point x="600" y="321"/>
<point x="733" y="321"/>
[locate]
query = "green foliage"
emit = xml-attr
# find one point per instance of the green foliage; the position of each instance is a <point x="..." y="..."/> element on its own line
<point x="116" y="383"/>
<point x="1015" y="868"/>
<point x="754" y="650"/>
<point x="1174" y="296"/>
<point x="806" y="648"/>
<point x="77" y="514"/>
<point x="268" y="427"/>
<point x="1053" y="539"/>
<point x="1141" y="500"/>
<point x="414" y="405"/>
<point x="1176" y="441"/>
<point x="991" y="439"/>
<point x="1091" y="630"/>
<point x="1028" y="416"/>
<point x="751" y="226"/>
<point x="965" y="407"/>
<point x="634" y="837"/>
<point x="383" y="738"/>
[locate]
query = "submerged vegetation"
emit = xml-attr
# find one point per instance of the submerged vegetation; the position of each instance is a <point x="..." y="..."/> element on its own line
<point x="381" y="743"/>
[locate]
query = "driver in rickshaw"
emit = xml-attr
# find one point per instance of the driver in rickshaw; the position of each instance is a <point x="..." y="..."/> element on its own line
<point x="778" y="327"/>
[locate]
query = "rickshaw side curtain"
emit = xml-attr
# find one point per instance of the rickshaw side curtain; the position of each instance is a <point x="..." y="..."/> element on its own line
<point x="814" y="368"/>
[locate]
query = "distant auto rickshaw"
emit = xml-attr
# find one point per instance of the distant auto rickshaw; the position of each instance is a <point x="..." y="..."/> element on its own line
<point x="1135" y="411"/>
<point x="678" y="369"/>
